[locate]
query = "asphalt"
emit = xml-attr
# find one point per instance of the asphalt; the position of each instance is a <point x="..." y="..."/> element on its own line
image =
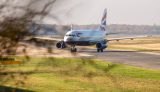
<point x="134" y="58"/>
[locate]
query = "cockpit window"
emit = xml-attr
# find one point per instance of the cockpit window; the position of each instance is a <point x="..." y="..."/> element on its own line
<point x="72" y="35"/>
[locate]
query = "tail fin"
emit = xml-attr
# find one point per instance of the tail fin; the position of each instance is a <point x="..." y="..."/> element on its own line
<point x="104" y="21"/>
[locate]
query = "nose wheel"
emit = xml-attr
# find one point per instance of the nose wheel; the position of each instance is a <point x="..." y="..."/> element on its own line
<point x="73" y="49"/>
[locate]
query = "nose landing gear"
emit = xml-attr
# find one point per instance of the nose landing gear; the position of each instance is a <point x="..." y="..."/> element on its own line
<point x="73" y="49"/>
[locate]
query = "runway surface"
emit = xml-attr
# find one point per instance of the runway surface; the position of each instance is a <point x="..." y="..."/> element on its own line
<point x="135" y="58"/>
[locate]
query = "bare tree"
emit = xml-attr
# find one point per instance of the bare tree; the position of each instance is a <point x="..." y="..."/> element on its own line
<point x="16" y="20"/>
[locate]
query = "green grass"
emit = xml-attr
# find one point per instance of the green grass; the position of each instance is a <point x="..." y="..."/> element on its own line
<point x="81" y="75"/>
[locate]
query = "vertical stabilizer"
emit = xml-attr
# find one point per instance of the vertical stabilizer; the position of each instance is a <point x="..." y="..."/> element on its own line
<point x="104" y="21"/>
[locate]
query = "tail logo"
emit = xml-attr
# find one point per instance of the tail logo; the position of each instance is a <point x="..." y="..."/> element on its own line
<point x="104" y="21"/>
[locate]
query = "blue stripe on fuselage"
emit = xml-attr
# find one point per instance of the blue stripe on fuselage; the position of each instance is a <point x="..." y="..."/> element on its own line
<point x="80" y="43"/>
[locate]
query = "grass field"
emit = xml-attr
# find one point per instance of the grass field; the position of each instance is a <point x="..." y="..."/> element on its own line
<point x="79" y="75"/>
<point x="150" y="44"/>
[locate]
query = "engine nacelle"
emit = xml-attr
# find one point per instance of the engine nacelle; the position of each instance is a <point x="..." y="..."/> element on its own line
<point x="101" y="46"/>
<point x="61" y="45"/>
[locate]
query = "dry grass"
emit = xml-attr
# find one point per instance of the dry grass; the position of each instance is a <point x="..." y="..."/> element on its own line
<point x="151" y="44"/>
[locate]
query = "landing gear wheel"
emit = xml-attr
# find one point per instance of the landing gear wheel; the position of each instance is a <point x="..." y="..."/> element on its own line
<point x="73" y="49"/>
<point x="99" y="50"/>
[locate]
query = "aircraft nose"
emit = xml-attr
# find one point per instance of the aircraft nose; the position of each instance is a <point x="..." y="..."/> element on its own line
<point x="69" y="39"/>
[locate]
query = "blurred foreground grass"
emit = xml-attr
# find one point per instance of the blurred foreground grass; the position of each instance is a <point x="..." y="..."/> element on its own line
<point x="82" y="75"/>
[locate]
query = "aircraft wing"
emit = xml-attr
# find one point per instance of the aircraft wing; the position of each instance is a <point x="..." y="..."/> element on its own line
<point x="111" y="33"/>
<point x="125" y="38"/>
<point x="45" y="38"/>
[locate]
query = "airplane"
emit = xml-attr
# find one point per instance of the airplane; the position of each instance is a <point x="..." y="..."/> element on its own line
<point x="86" y="37"/>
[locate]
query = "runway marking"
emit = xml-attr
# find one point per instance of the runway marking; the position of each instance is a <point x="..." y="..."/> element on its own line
<point x="86" y="55"/>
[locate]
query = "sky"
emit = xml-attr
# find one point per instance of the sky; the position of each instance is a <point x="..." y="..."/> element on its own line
<point x="82" y="12"/>
<point x="140" y="12"/>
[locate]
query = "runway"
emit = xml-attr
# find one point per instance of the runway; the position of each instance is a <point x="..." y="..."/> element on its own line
<point x="134" y="58"/>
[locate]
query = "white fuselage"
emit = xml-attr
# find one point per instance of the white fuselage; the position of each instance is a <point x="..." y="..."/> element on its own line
<point x="84" y="37"/>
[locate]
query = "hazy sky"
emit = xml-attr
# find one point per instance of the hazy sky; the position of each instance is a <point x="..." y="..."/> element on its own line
<point x="146" y="12"/>
<point x="119" y="11"/>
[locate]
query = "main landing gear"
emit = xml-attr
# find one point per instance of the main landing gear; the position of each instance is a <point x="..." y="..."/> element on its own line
<point x="73" y="49"/>
<point x="99" y="50"/>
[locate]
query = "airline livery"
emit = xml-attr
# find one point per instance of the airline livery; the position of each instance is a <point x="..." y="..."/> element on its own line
<point x="87" y="37"/>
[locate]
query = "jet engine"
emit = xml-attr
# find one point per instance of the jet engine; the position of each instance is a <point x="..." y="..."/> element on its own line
<point x="61" y="45"/>
<point x="101" y="46"/>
